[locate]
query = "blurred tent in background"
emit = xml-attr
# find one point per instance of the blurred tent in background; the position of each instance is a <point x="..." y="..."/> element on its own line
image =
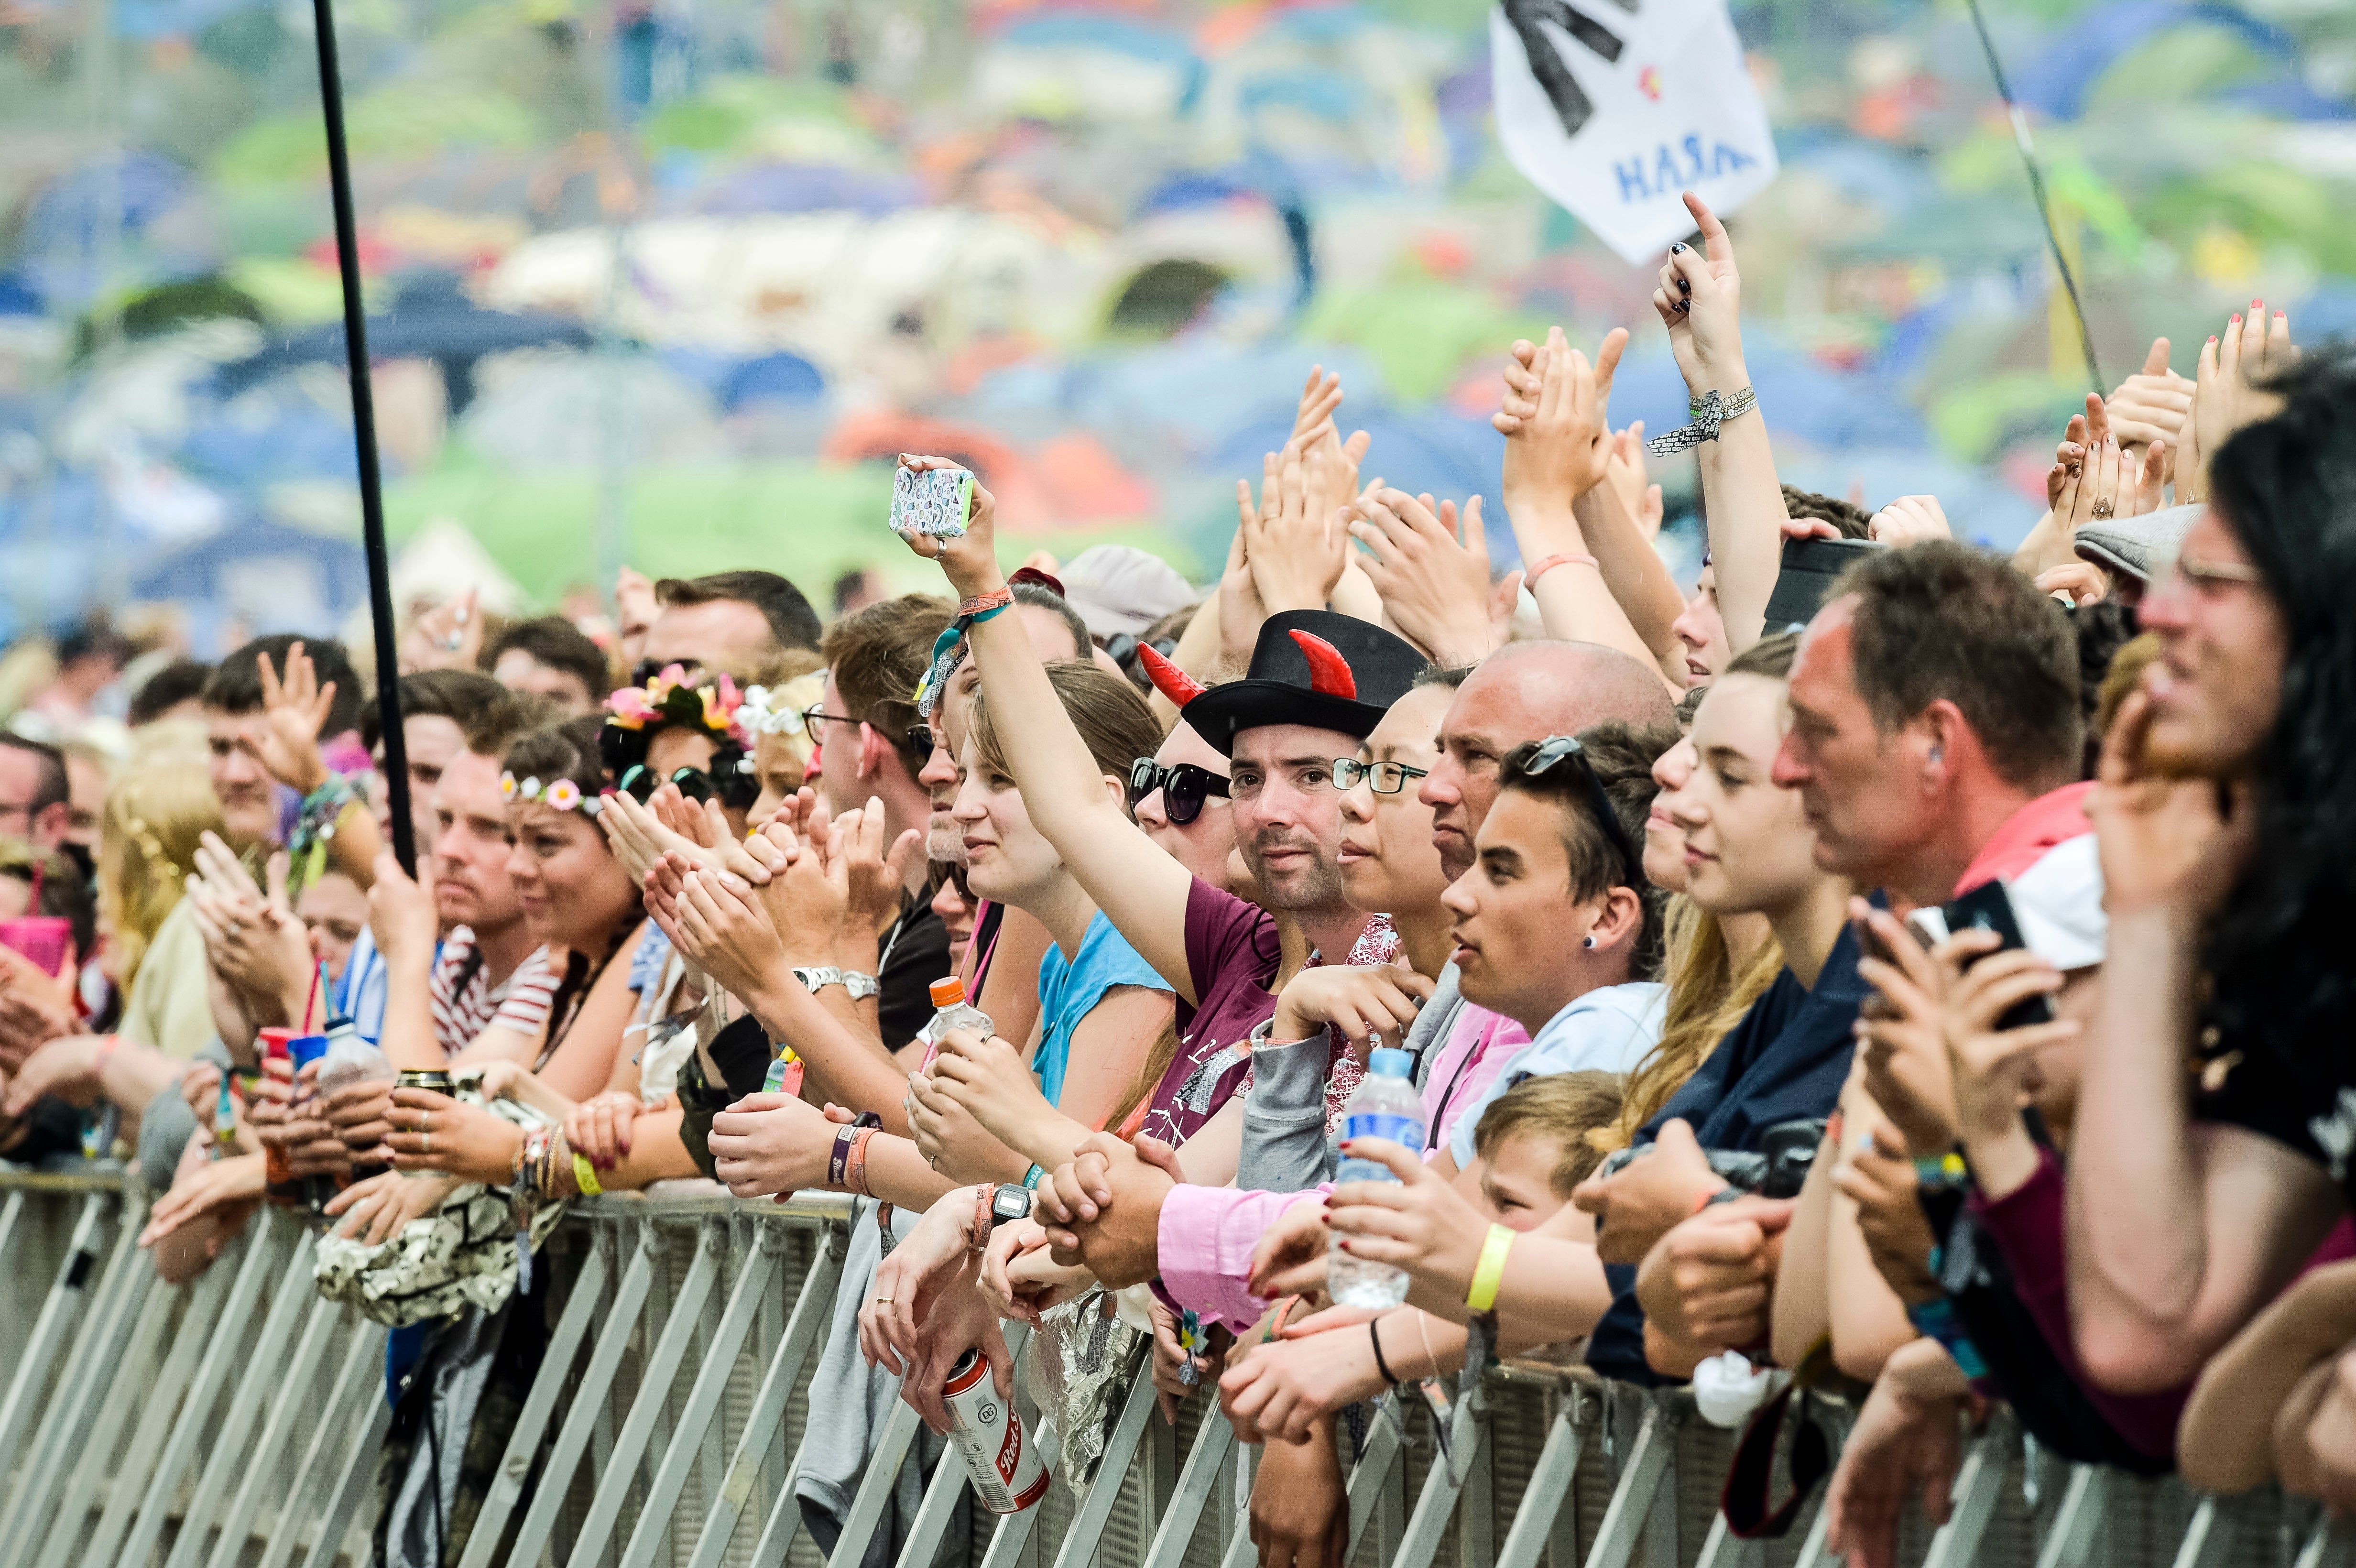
<point x="673" y="285"/>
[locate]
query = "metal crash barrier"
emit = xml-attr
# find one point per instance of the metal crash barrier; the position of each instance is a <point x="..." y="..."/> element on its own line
<point x="237" y="1420"/>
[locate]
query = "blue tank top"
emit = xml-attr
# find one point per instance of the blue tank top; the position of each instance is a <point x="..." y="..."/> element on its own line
<point x="1070" y="991"/>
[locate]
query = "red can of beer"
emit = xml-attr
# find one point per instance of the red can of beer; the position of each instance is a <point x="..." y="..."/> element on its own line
<point x="999" y="1455"/>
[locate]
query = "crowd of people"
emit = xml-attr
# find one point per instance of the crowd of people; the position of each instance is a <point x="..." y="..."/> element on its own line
<point x="1747" y="950"/>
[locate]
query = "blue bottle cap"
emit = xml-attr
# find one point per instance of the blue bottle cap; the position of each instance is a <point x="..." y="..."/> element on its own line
<point x="1389" y="1062"/>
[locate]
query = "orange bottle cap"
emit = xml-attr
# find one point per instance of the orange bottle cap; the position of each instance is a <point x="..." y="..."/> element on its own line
<point x="949" y="993"/>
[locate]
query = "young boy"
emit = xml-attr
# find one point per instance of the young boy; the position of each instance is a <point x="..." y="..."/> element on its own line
<point x="1532" y="1142"/>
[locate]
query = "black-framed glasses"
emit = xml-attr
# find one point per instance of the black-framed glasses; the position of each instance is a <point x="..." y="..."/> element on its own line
<point x="639" y="782"/>
<point x="1183" y="787"/>
<point x="1382" y="778"/>
<point x="1553" y="753"/>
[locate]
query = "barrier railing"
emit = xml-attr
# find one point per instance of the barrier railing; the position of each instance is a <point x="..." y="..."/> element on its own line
<point x="142" y="1422"/>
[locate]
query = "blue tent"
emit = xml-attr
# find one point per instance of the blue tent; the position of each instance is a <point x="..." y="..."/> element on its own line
<point x="262" y="573"/>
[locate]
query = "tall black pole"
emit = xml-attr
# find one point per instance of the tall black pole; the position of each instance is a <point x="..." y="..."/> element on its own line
<point x="356" y="354"/>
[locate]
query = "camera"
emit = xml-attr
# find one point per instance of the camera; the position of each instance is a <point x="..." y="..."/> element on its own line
<point x="1777" y="1168"/>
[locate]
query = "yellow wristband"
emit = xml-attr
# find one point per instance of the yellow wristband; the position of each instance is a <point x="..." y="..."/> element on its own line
<point x="585" y="1176"/>
<point x="1490" y="1272"/>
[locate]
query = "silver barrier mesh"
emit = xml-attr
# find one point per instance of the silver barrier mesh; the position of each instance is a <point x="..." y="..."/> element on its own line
<point x="233" y="1422"/>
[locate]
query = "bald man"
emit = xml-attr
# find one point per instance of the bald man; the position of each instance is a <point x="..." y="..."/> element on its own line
<point x="1523" y="692"/>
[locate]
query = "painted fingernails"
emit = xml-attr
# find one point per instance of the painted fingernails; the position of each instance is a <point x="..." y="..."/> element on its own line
<point x="1679" y="249"/>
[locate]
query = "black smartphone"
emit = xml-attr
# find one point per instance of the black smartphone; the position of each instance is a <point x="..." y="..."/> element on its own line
<point x="1989" y="908"/>
<point x="1808" y="570"/>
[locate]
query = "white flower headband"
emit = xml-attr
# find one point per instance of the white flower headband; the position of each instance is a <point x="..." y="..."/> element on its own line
<point x="759" y="718"/>
<point x="562" y="795"/>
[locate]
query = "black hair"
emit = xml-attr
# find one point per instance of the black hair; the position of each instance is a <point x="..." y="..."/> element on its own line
<point x="54" y="784"/>
<point x="2286" y="488"/>
<point x="2102" y="628"/>
<point x="94" y="638"/>
<point x="560" y="644"/>
<point x="1045" y="598"/>
<point x="1622" y="756"/>
<point x="235" y="685"/>
<point x="178" y="682"/>
<point x="457" y="695"/>
<point x="791" y="620"/>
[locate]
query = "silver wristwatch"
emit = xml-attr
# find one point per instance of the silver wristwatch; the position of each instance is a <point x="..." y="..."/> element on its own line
<point x="861" y="986"/>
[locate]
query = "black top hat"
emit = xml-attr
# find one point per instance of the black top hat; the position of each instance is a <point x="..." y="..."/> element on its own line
<point x="1293" y="681"/>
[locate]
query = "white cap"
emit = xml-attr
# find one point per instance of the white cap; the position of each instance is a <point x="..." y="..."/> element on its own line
<point x="2059" y="903"/>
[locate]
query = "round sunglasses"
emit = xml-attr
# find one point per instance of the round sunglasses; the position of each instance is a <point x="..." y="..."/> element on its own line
<point x="1183" y="787"/>
<point x="641" y="781"/>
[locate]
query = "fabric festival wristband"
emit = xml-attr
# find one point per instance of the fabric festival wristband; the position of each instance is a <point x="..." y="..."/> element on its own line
<point x="1568" y="557"/>
<point x="1935" y="1171"/>
<point x="981" y="1196"/>
<point x="854" y="1175"/>
<point x="839" y="1158"/>
<point x="980" y="605"/>
<point x="1276" y="1325"/>
<point x="1490" y="1272"/>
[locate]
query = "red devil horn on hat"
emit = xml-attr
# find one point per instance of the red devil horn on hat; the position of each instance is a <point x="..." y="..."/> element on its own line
<point x="1329" y="672"/>
<point x="1168" y="679"/>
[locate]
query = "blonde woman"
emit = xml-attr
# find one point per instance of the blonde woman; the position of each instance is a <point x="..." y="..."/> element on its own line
<point x="146" y="849"/>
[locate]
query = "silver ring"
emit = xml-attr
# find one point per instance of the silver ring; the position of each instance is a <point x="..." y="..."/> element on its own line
<point x="424" y="1144"/>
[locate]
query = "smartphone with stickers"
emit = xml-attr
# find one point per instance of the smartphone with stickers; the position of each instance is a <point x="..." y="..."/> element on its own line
<point x="934" y="501"/>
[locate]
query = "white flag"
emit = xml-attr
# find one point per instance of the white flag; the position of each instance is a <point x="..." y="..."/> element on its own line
<point x="1615" y="108"/>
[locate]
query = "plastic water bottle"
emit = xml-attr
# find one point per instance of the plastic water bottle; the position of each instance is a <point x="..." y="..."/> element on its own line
<point x="350" y="1059"/>
<point x="1384" y="1105"/>
<point x="951" y="1010"/>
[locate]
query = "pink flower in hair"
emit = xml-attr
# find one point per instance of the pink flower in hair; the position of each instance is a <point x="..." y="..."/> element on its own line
<point x="630" y="708"/>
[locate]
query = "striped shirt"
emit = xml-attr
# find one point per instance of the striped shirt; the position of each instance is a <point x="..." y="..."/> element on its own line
<point x="520" y="1004"/>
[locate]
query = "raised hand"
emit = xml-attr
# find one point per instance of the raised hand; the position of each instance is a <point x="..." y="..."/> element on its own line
<point x="970" y="560"/>
<point x="295" y="708"/>
<point x="1563" y="445"/>
<point x="1240" y="609"/>
<point x="1433" y="579"/>
<point x="727" y="933"/>
<point x="2153" y="405"/>
<point x="447" y="636"/>
<point x="2230" y="391"/>
<point x="873" y="881"/>
<point x="2082" y="581"/>
<point x="1909" y="520"/>
<point x="403" y="912"/>
<point x="1294" y="544"/>
<point x="1701" y="301"/>
<point x="1626" y="471"/>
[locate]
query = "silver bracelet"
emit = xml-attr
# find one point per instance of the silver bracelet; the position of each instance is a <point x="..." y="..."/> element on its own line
<point x="1710" y="411"/>
<point x="861" y="986"/>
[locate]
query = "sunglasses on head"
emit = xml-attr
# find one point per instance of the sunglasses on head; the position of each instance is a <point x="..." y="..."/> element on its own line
<point x="641" y="781"/>
<point x="1183" y="787"/>
<point x="1559" y="751"/>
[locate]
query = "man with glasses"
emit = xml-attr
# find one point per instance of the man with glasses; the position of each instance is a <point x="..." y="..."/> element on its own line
<point x="871" y="745"/>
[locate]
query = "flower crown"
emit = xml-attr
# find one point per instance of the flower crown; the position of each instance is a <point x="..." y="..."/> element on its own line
<point x="562" y="795"/>
<point x="670" y="697"/>
<point x="757" y="716"/>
